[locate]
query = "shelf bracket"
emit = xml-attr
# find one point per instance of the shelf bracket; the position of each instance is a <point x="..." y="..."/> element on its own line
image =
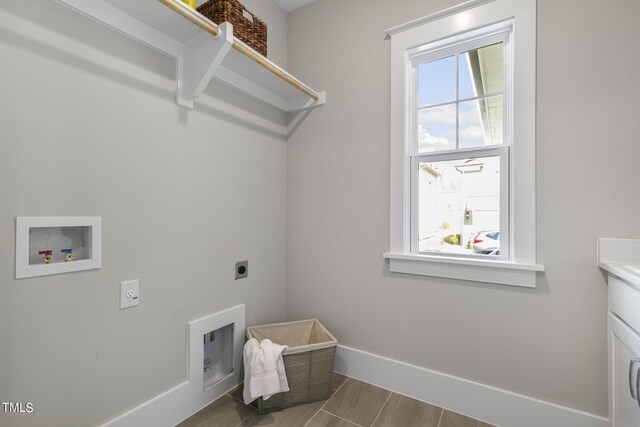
<point x="199" y="61"/>
<point x="304" y="103"/>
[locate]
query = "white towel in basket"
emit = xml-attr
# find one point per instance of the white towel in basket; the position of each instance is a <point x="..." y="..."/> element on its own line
<point x="264" y="373"/>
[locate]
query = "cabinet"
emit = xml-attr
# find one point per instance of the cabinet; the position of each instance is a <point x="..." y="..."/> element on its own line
<point x="624" y="354"/>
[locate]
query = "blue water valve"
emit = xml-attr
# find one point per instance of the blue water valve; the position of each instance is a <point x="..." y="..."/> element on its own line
<point x="68" y="254"/>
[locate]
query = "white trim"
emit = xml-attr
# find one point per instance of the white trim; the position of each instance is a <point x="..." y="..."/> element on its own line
<point x="434" y="16"/>
<point x="459" y="43"/>
<point x="497" y="272"/>
<point x="479" y="401"/>
<point x="180" y="402"/>
<point x="470" y="17"/>
<point x="470" y="261"/>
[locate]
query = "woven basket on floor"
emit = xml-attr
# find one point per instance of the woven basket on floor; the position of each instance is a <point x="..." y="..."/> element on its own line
<point x="250" y="30"/>
<point x="308" y="362"/>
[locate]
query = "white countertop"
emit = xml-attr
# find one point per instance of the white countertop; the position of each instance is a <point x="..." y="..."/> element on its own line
<point x="621" y="270"/>
<point x="620" y="257"/>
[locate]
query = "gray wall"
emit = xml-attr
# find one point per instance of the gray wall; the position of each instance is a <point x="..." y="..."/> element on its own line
<point x="548" y="343"/>
<point x="89" y="126"/>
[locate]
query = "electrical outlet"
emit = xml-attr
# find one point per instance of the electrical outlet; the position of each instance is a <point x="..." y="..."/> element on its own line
<point x="242" y="269"/>
<point x="129" y="294"/>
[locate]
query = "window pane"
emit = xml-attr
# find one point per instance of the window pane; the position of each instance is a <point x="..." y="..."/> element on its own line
<point x="481" y="122"/>
<point x="437" y="81"/>
<point x="437" y="128"/>
<point x="459" y="206"/>
<point x="481" y="71"/>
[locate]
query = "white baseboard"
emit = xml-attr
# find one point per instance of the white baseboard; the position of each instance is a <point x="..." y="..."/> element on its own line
<point x="167" y="409"/>
<point x="179" y="403"/>
<point x="489" y="404"/>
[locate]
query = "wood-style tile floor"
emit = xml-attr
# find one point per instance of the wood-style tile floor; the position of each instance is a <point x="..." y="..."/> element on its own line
<point x="352" y="403"/>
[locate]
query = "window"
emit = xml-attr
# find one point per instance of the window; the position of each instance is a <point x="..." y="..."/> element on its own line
<point x="458" y="152"/>
<point x="463" y="144"/>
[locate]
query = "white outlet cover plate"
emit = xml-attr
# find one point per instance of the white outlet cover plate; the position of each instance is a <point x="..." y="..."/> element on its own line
<point x="129" y="294"/>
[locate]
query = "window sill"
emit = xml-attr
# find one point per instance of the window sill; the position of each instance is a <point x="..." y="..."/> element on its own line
<point x="499" y="272"/>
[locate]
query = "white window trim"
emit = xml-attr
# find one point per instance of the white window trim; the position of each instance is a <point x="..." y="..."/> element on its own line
<point x="521" y="268"/>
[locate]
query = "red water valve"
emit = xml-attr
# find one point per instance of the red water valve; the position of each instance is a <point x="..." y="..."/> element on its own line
<point x="48" y="256"/>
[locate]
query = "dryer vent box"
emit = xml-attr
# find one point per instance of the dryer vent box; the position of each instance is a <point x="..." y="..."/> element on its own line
<point x="217" y="355"/>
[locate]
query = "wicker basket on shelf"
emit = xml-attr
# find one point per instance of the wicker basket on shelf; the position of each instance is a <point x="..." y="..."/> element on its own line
<point x="246" y="26"/>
